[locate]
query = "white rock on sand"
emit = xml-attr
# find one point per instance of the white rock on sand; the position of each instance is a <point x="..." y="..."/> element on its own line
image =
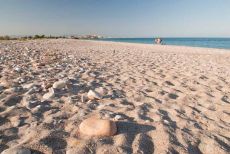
<point x="49" y="95"/>
<point x="118" y="117"/>
<point x="59" y="84"/>
<point x="93" y="95"/>
<point x="97" y="127"/>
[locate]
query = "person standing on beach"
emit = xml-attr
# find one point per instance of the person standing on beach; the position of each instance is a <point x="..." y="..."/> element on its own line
<point x="158" y="41"/>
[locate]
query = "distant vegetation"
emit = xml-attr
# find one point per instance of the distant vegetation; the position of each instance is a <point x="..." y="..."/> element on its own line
<point x="48" y="37"/>
<point x="30" y="37"/>
<point x="7" y="38"/>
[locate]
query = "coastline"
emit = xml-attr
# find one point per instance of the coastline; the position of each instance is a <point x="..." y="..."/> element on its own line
<point x="214" y="43"/>
<point x="174" y="47"/>
<point x="162" y="98"/>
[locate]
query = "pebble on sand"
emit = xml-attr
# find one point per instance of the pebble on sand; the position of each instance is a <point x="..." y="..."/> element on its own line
<point x="93" y="95"/>
<point x="18" y="69"/>
<point x="59" y="84"/>
<point x="49" y="95"/>
<point x="118" y="117"/>
<point x="97" y="127"/>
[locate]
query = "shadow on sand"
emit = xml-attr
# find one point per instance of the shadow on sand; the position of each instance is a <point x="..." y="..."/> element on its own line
<point x="133" y="130"/>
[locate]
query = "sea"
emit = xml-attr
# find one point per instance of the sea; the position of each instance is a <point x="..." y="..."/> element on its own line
<point x="220" y="43"/>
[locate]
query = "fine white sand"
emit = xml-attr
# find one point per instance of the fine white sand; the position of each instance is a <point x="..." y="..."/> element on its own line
<point x="164" y="99"/>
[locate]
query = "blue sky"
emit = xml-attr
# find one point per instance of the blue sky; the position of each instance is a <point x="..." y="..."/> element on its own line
<point x="116" y="18"/>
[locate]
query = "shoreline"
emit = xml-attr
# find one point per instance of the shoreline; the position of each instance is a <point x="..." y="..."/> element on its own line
<point x="169" y="45"/>
<point x="166" y="46"/>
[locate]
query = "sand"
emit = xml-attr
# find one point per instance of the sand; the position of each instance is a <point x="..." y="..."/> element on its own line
<point x="164" y="99"/>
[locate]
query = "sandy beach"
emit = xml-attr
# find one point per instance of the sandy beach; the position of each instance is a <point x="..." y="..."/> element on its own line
<point x="162" y="99"/>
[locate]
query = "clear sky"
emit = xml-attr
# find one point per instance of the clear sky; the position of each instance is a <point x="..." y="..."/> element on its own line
<point x="116" y="18"/>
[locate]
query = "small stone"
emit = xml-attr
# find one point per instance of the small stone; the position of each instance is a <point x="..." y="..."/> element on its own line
<point x="49" y="95"/>
<point x="147" y="121"/>
<point x="28" y="86"/>
<point x="22" y="80"/>
<point x="97" y="127"/>
<point x="118" y="117"/>
<point x="166" y="122"/>
<point x="81" y="70"/>
<point x="26" y="48"/>
<point x="59" y="84"/>
<point x="18" y="69"/>
<point x="16" y="150"/>
<point x="93" y="95"/>
<point x="92" y="75"/>
<point x="39" y="107"/>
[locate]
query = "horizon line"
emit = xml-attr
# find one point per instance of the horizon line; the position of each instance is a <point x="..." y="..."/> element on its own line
<point x="118" y="37"/>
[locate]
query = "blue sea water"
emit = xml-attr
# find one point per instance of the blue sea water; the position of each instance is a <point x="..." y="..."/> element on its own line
<point x="221" y="43"/>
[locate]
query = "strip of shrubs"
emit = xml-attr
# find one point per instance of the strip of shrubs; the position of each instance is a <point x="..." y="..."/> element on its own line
<point x="30" y="37"/>
<point x="48" y="37"/>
